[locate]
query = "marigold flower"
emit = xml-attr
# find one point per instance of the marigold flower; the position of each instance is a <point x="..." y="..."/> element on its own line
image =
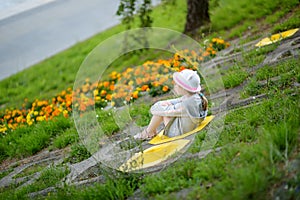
<point x="127" y="98"/>
<point x="3" y="128"/>
<point x="103" y="93"/>
<point x="176" y="56"/>
<point x="40" y="118"/>
<point x="144" y="87"/>
<point x="65" y="113"/>
<point x="85" y="88"/>
<point x="106" y="84"/>
<point x="112" y="87"/>
<point x="109" y="97"/>
<point x="112" y="103"/>
<point x="135" y="94"/>
<point x="97" y="98"/>
<point x="165" y="88"/>
<point x="176" y="63"/>
<point x="96" y="92"/>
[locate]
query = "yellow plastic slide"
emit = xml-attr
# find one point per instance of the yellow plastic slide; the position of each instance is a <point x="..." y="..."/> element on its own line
<point x="153" y="155"/>
<point x="163" y="149"/>
<point x="276" y="37"/>
<point x="160" y="138"/>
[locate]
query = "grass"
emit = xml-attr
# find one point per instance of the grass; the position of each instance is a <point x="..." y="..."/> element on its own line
<point x="49" y="177"/>
<point x="69" y="136"/>
<point x="28" y="140"/>
<point x="288" y="73"/>
<point x="238" y="11"/>
<point x="120" y="188"/>
<point x="257" y="142"/>
<point x="249" y="138"/>
<point x="254" y="142"/>
<point x="31" y="170"/>
<point x="78" y="153"/>
<point x="234" y="76"/>
<point x="291" y="23"/>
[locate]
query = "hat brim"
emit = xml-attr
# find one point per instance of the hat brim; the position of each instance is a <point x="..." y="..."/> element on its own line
<point x="179" y="80"/>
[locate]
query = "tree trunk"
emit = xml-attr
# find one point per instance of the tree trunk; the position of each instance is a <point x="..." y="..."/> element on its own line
<point x="197" y="15"/>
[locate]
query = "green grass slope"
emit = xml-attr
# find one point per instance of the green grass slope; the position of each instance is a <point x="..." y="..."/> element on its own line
<point x="259" y="144"/>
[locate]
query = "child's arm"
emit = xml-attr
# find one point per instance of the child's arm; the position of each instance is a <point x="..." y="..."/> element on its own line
<point x="170" y="108"/>
<point x="170" y="101"/>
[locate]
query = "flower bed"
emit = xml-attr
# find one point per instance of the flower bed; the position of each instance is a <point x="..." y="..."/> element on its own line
<point x="154" y="78"/>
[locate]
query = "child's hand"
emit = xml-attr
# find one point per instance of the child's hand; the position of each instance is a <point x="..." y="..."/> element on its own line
<point x="165" y="103"/>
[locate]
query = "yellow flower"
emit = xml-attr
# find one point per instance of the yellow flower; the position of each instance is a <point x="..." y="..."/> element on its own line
<point x="103" y="93"/>
<point x="135" y="94"/>
<point x="112" y="103"/>
<point x="19" y="119"/>
<point x="40" y="118"/>
<point x="29" y="123"/>
<point x="96" y="92"/>
<point x="130" y="83"/>
<point x="97" y="98"/>
<point x="3" y="128"/>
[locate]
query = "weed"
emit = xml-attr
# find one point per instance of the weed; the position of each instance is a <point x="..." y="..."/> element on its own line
<point x="141" y="114"/>
<point x="49" y="177"/>
<point x="234" y="76"/>
<point x="78" y="153"/>
<point x="107" y="121"/>
<point x="116" y="187"/>
<point x="290" y="23"/>
<point x="68" y="137"/>
<point x="31" y="170"/>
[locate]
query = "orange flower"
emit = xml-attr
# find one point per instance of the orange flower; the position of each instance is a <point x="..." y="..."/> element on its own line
<point x="60" y="99"/>
<point x="205" y="54"/>
<point x="19" y="119"/>
<point x="106" y="84"/>
<point x="128" y="98"/>
<point x="144" y="87"/>
<point x="82" y="107"/>
<point x="176" y="64"/>
<point x="112" y="87"/>
<point x="103" y="93"/>
<point x="109" y="97"/>
<point x="165" y="88"/>
<point x="85" y="88"/>
<point x="56" y="112"/>
<point x="181" y="68"/>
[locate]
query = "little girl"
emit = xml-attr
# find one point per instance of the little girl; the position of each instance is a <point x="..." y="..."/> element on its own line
<point x="182" y="114"/>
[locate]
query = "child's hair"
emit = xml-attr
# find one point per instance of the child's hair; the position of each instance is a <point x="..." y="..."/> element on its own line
<point x="204" y="102"/>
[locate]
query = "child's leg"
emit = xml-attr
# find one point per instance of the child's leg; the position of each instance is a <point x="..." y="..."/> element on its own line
<point x="166" y="120"/>
<point x="150" y="131"/>
<point x="154" y="123"/>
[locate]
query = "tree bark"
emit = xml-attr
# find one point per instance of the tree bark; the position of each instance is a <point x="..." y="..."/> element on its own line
<point x="197" y="15"/>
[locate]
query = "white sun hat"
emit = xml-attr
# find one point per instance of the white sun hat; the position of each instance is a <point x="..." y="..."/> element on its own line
<point x="188" y="80"/>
